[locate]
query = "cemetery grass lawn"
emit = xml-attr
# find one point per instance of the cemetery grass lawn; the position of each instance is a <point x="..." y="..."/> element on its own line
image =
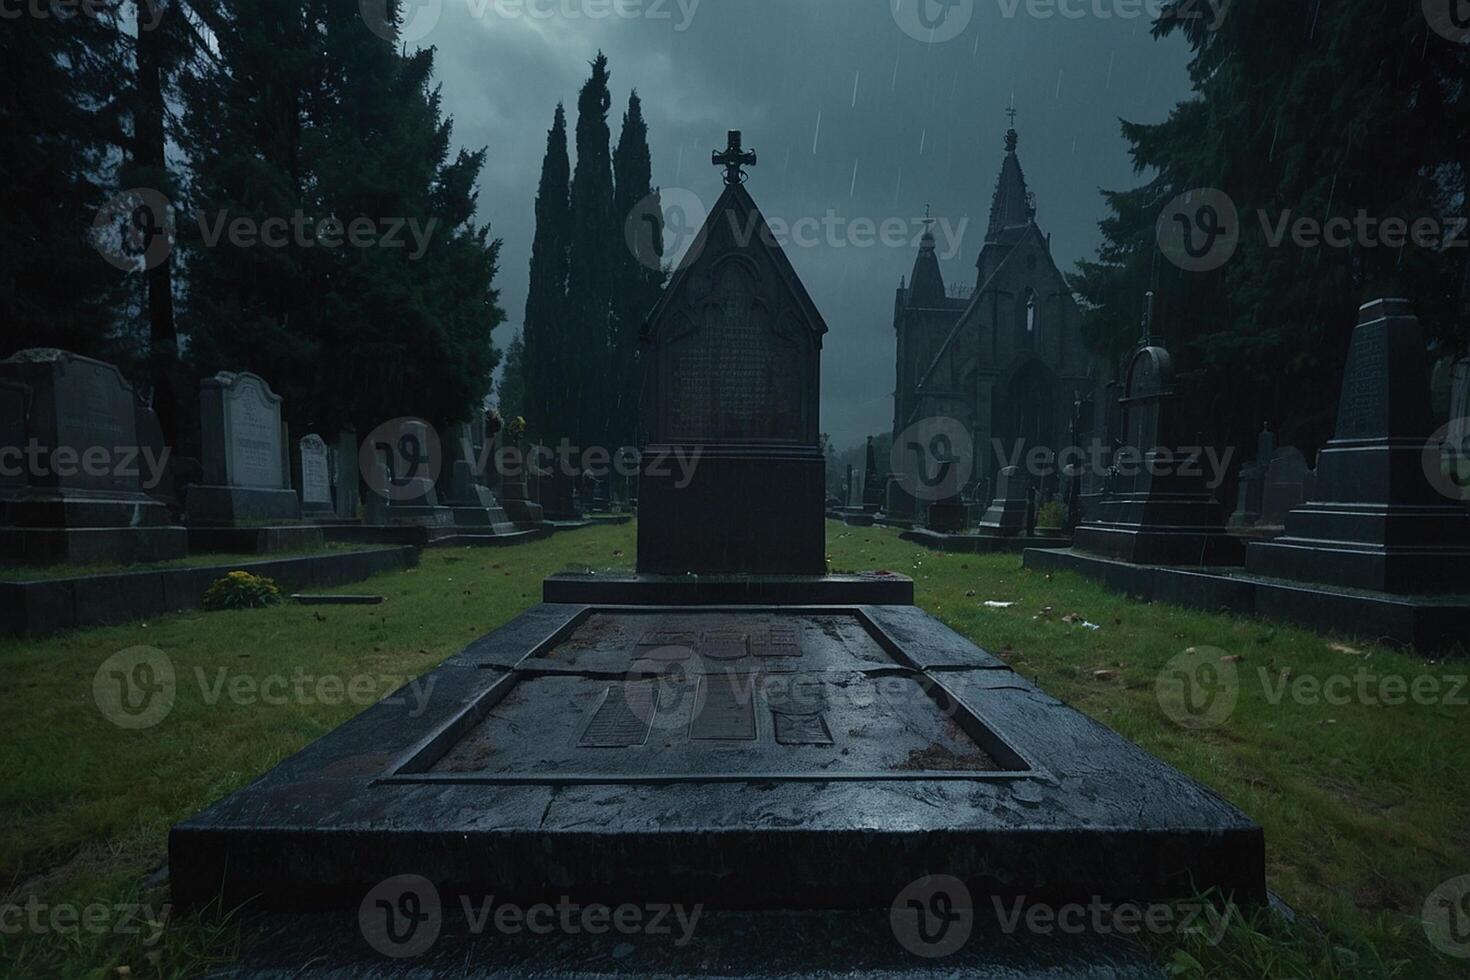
<point x="41" y="573"/>
<point x="1365" y="805"/>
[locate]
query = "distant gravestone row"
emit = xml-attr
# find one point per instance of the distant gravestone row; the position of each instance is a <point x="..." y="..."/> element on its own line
<point x="86" y="475"/>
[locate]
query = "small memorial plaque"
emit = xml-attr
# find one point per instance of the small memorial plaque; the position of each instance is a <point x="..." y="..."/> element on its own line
<point x="624" y="717"/>
<point x="778" y="641"/>
<point x="723" y="645"/>
<point x="666" y="645"/>
<point x="724" y="708"/>
<point x="801" y="729"/>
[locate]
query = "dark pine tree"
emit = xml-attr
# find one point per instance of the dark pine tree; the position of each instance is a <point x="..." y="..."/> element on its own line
<point x="547" y="335"/>
<point x="596" y="243"/>
<point x="312" y="115"/>
<point x="640" y="274"/>
<point x="60" y="118"/>
<point x="1365" y="111"/>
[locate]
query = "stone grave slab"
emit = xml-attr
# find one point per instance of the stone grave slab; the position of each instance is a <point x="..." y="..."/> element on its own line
<point x="744" y="757"/>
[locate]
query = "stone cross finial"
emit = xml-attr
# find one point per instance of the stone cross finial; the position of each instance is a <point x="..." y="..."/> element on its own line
<point x="733" y="159"/>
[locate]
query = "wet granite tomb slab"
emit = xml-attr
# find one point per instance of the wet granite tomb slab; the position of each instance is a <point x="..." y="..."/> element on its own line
<point x="741" y="757"/>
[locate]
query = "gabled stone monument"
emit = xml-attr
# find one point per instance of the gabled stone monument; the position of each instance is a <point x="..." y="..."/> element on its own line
<point x="1157" y="509"/>
<point x="474" y="505"/>
<point x="733" y="350"/>
<point x="72" y="490"/>
<point x="247" y="474"/>
<point x="1374" y="520"/>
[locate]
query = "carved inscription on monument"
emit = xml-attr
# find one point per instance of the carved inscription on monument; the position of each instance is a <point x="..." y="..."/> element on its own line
<point x="734" y="378"/>
<point x="95" y="409"/>
<point x="624" y="717"/>
<point x="316" y="479"/>
<point x="1360" y="414"/>
<point x="724" y="708"/>
<point x="253" y="431"/>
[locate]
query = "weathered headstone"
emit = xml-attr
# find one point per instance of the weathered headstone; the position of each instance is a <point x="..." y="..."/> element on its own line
<point x="872" y="482"/>
<point x="247" y="474"/>
<point x="1157" y="509"/>
<point x="313" y="475"/>
<point x="1375" y="520"/>
<point x="1250" y="485"/>
<point x="473" y="503"/>
<point x="1006" y="516"/>
<point x="1286" y="485"/>
<point x="412" y="454"/>
<point x="734" y="350"/>
<point x="80" y="498"/>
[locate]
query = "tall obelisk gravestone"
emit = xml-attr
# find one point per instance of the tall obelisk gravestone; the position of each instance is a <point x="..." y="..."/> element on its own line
<point x="1374" y="520"/>
<point x="732" y="481"/>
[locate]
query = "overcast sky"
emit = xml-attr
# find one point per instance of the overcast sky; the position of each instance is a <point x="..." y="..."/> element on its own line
<point x="853" y="117"/>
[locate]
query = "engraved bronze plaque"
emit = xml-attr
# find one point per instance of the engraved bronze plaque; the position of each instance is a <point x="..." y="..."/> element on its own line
<point x="623" y="718"/>
<point x="778" y="641"/>
<point x="666" y="645"/>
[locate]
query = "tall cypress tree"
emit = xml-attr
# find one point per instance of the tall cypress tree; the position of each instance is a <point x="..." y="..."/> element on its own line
<point x="640" y="272"/>
<point x="596" y="238"/>
<point x="312" y="114"/>
<point x="547" y="338"/>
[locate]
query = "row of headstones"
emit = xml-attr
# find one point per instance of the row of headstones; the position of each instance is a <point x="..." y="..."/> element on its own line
<point x="77" y="449"/>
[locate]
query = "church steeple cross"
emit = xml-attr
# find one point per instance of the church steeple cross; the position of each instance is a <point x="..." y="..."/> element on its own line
<point x="733" y="159"/>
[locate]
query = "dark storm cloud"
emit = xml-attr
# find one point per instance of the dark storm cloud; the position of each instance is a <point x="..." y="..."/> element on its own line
<point x="857" y="123"/>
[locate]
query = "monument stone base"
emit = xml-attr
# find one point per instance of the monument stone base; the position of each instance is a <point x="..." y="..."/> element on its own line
<point x="950" y="517"/>
<point x="716" y="517"/>
<point x="227" y="506"/>
<point x="92" y="545"/>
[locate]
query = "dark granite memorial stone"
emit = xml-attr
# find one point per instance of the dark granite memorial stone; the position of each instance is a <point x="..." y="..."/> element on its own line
<point x="473" y="503"/>
<point x="765" y="757"/>
<point x="733" y="351"/>
<point x="1006" y="516"/>
<point x="872" y="482"/>
<point x="1157" y="509"/>
<point x="346" y="478"/>
<point x="1374" y="520"/>
<point x="247" y="473"/>
<point x="82" y="497"/>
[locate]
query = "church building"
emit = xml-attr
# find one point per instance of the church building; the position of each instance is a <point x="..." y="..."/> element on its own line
<point x="1006" y="360"/>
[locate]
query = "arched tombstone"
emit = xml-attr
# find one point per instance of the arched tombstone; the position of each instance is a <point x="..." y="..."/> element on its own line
<point x="1158" y="510"/>
<point x="247" y="470"/>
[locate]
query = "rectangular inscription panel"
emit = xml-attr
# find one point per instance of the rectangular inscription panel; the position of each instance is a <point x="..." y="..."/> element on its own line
<point x="253" y="434"/>
<point x="624" y="717"/>
<point x="724" y="708"/>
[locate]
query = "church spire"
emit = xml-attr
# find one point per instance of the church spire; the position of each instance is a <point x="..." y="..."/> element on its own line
<point x="1012" y="206"/>
<point x="927" y="287"/>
